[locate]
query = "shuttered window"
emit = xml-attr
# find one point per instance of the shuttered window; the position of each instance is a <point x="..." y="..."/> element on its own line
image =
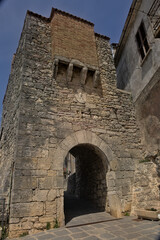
<point x="142" y="42"/>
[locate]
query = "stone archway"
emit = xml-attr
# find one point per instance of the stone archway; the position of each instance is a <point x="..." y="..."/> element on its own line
<point x="86" y="168"/>
<point x="85" y="138"/>
<point x="81" y="137"/>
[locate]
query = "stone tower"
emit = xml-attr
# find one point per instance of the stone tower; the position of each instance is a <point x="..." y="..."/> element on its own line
<point x="62" y="99"/>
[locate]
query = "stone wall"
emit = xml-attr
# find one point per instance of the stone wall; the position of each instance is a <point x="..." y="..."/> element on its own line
<point x="57" y="113"/>
<point x="140" y="75"/>
<point x="133" y="73"/>
<point x="146" y="191"/>
<point x="34" y="195"/>
<point x="148" y="115"/>
<point x="10" y="121"/>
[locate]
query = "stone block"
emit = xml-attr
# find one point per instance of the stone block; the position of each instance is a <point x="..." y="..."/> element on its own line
<point x="60" y="212"/>
<point x="52" y="194"/>
<point x="15" y="227"/>
<point x="77" y="63"/>
<point x="59" y="181"/>
<point x="27" y="225"/>
<point x="114" y="165"/>
<point x="27" y="209"/>
<point x="99" y="130"/>
<point x="126" y="206"/>
<point x="126" y="188"/>
<point x="69" y="72"/>
<point x="22" y="195"/>
<point x="107" y="151"/>
<point x="146" y="214"/>
<point x="96" y="79"/>
<point x="40" y="225"/>
<point x="89" y="136"/>
<point x="126" y="164"/>
<point x="96" y="141"/>
<point x="111" y="184"/>
<point x="115" y="205"/>
<point x="14" y="220"/>
<point x="25" y="182"/>
<point x="44" y="163"/>
<point x="26" y="163"/>
<point x="83" y="75"/>
<point x="57" y="157"/>
<point x="40" y="195"/>
<point x="45" y="218"/>
<point x="46" y="183"/>
<point x="81" y="136"/>
<point x="51" y="208"/>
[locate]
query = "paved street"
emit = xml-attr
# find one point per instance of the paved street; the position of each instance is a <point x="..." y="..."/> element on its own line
<point x="123" y="229"/>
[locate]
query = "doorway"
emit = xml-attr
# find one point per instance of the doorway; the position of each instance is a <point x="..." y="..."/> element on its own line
<point x="85" y="168"/>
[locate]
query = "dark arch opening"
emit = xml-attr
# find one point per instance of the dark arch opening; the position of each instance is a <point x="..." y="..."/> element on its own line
<point x="85" y="168"/>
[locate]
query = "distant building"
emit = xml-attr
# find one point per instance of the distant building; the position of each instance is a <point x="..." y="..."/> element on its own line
<point x="137" y="62"/>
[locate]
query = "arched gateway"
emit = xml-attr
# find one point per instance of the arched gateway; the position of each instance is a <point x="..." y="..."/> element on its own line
<point x="78" y="138"/>
<point x="92" y="170"/>
<point x="62" y="99"/>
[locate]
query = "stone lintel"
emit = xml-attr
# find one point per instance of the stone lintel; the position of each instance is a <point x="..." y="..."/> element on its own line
<point x="92" y="68"/>
<point x="63" y="59"/>
<point x="77" y="63"/>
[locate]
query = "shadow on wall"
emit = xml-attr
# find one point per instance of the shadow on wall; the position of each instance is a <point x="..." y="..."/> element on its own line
<point x="148" y="112"/>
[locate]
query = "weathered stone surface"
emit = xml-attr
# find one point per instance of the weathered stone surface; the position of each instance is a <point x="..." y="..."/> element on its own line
<point x="51" y="207"/>
<point x="69" y="72"/>
<point x="27" y="225"/>
<point x="40" y="226"/>
<point x="46" y="183"/>
<point x="115" y="205"/>
<point x="146" y="187"/>
<point x="27" y="209"/>
<point x="45" y="117"/>
<point x="45" y="219"/>
<point x="152" y="215"/>
<point x="40" y="195"/>
<point x="25" y="182"/>
<point x="52" y="195"/>
<point x="84" y="75"/>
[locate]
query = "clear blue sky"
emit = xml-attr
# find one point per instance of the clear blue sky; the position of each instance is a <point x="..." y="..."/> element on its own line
<point x="108" y="16"/>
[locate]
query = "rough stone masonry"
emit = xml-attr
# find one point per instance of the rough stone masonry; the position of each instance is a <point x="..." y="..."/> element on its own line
<point x="62" y="98"/>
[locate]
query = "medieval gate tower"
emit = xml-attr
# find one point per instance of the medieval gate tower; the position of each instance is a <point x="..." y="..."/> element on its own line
<point x="62" y="98"/>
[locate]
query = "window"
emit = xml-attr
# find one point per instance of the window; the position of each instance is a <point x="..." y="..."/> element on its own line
<point x="142" y="42"/>
<point x="154" y="15"/>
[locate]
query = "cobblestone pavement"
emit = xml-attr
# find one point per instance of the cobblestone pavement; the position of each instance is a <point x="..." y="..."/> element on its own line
<point x="122" y="229"/>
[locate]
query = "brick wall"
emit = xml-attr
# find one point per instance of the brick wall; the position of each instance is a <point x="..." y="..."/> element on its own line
<point x="73" y="39"/>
